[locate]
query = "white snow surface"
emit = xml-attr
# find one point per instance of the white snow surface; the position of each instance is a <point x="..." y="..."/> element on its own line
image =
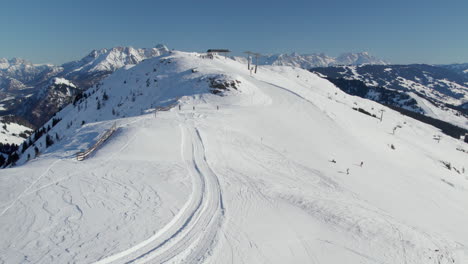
<point x="9" y="133"/>
<point x="446" y="114"/>
<point x="58" y="81"/>
<point x="251" y="182"/>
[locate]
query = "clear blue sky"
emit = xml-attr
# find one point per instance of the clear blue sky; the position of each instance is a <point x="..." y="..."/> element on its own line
<point x="401" y="31"/>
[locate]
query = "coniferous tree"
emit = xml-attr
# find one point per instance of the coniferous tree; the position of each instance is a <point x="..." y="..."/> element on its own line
<point x="49" y="141"/>
<point x="25" y="147"/>
<point x="12" y="158"/>
<point x="55" y="121"/>
<point x="2" y="160"/>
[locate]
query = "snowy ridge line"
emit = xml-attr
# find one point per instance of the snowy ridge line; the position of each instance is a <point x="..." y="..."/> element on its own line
<point x="297" y="95"/>
<point x="83" y="155"/>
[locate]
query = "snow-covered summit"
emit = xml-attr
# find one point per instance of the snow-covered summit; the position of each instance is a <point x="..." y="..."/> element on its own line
<point x="108" y="60"/>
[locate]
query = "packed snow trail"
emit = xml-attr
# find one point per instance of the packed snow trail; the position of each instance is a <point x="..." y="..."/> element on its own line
<point x="189" y="236"/>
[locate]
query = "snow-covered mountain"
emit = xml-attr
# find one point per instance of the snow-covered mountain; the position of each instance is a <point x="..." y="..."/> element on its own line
<point x="31" y="91"/>
<point x="277" y="167"/>
<point x="359" y="59"/>
<point x="435" y="91"/>
<point x="18" y="74"/>
<point x="307" y="61"/>
<point x="105" y="61"/>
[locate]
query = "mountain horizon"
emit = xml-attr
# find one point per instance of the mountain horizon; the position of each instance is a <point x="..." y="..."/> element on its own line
<point x="265" y="57"/>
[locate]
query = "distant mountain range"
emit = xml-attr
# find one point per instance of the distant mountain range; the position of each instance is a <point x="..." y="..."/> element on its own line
<point x="307" y="61"/>
<point x="17" y="74"/>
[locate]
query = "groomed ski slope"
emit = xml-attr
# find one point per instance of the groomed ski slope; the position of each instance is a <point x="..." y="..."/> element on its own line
<point x="252" y="182"/>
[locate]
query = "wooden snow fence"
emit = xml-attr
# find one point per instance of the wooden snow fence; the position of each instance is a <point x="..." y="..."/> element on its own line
<point x="166" y="108"/>
<point x="84" y="154"/>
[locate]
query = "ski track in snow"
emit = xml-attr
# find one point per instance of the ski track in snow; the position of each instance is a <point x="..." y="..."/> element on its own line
<point x="189" y="236"/>
<point x="49" y="169"/>
<point x="25" y="192"/>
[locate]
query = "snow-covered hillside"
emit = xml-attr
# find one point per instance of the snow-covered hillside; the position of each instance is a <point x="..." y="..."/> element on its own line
<point x="42" y="90"/>
<point x="432" y="87"/>
<point x="271" y="168"/>
<point x="307" y="61"/>
<point x="436" y="83"/>
<point x="12" y="132"/>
